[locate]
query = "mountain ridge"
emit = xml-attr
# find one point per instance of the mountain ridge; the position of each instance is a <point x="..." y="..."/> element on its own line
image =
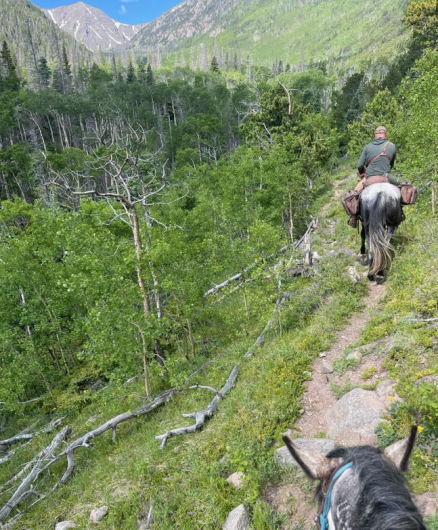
<point x="92" y="27"/>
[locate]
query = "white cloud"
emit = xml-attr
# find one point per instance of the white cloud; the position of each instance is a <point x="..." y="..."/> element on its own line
<point x="128" y="1"/>
<point x="122" y="10"/>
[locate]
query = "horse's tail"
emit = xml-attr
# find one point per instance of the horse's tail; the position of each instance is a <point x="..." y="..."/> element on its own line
<point x="380" y="246"/>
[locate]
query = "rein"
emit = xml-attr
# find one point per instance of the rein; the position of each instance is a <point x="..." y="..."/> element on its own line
<point x="323" y="518"/>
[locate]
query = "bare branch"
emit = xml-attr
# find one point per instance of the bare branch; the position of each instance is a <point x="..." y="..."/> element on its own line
<point x="202" y="416"/>
<point x="222" y="285"/>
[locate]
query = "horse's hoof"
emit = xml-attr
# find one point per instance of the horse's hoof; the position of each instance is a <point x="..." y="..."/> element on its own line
<point x="363" y="260"/>
<point x="380" y="278"/>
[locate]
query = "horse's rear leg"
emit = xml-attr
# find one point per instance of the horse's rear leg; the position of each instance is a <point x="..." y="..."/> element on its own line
<point x="363" y="259"/>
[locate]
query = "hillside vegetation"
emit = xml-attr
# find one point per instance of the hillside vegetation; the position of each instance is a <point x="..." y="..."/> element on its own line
<point x="130" y="199"/>
<point x="344" y="33"/>
<point x="31" y="35"/>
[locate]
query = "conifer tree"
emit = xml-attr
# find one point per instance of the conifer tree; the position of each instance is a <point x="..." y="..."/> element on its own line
<point x="214" y="65"/>
<point x="6" y="57"/>
<point x="11" y="80"/>
<point x="67" y="72"/>
<point x="131" y="78"/>
<point x="44" y="72"/>
<point x="150" y="80"/>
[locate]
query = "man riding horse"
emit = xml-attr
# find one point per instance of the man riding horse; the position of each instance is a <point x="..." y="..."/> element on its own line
<point x="377" y="160"/>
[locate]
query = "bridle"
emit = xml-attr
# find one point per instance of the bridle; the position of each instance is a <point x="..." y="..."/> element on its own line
<point x="322" y="522"/>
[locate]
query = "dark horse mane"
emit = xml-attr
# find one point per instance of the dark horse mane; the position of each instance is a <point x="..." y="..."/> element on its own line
<point x="384" y="501"/>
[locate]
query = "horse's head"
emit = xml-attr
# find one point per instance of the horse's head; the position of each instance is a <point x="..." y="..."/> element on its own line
<point x="362" y="488"/>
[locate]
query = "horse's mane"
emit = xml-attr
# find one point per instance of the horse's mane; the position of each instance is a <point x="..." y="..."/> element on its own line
<point x="384" y="501"/>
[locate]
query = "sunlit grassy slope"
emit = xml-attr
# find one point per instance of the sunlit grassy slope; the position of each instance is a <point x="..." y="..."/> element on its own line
<point x="298" y="31"/>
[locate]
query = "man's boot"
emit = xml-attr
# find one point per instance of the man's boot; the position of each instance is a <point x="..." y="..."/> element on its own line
<point x="353" y="221"/>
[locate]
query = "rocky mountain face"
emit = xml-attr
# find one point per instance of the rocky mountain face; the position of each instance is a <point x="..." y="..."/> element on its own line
<point x="189" y="20"/>
<point x="31" y="36"/>
<point x="92" y="27"/>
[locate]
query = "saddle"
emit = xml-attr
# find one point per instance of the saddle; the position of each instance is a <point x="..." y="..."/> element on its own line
<point x="375" y="179"/>
<point x="351" y="202"/>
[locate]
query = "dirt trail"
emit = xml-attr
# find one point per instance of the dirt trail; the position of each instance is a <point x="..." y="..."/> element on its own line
<point x="319" y="398"/>
<point x="295" y="500"/>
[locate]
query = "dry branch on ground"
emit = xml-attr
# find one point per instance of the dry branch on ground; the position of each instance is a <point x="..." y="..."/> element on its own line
<point x="202" y="416"/>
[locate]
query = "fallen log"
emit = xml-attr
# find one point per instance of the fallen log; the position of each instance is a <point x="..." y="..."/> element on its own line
<point x="26" y="487"/>
<point x="282" y="250"/>
<point x="30" y="436"/>
<point x="202" y="416"/>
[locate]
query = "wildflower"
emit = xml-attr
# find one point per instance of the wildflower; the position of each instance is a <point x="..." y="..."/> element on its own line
<point x="420" y="429"/>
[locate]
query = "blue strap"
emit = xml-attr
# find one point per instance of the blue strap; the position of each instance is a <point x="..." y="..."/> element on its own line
<point x="323" y="518"/>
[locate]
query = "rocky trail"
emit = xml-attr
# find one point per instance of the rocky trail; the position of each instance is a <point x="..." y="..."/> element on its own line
<point x="348" y="396"/>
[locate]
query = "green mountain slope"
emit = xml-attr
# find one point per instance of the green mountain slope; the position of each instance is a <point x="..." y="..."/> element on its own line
<point x="296" y="31"/>
<point x="31" y="35"/>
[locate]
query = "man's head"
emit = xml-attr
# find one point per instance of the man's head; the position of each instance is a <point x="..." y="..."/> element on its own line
<point x="380" y="132"/>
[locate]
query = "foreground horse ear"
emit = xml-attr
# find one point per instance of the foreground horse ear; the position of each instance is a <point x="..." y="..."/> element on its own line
<point x="314" y="465"/>
<point x="400" y="452"/>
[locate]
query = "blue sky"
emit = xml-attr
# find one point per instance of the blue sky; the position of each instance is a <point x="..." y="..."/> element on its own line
<point x="128" y="11"/>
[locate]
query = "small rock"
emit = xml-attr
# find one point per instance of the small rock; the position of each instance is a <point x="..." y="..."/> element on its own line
<point x="354" y="275"/>
<point x="323" y="354"/>
<point x="316" y="257"/>
<point x="355" y="417"/>
<point x="238" y="519"/>
<point x="428" y="380"/>
<point x="327" y="368"/>
<point x="98" y="514"/>
<point x="318" y="445"/>
<point x="355" y="356"/>
<point x="65" y="525"/>
<point x="237" y="480"/>
<point x="332" y="254"/>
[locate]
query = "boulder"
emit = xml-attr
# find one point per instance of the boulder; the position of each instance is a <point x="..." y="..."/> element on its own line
<point x="98" y="514"/>
<point x="355" y="356"/>
<point x="238" y="519"/>
<point x="427" y="503"/>
<point x="237" y="480"/>
<point x="428" y="380"/>
<point x="65" y="525"/>
<point x="318" y="445"/>
<point x="355" y="417"/>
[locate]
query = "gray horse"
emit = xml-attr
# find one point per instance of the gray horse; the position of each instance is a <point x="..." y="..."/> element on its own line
<point x="362" y="488"/>
<point x="381" y="213"/>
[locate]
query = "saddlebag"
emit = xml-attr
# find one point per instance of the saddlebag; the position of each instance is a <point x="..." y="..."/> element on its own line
<point x="351" y="203"/>
<point x="409" y="193"/>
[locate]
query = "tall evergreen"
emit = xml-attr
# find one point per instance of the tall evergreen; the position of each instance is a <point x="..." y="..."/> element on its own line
<point x="131" y="77"/>
<point x="67" y="72"/>
<point x="44" y="72"/>
<point x="214" y="65"/>
<point x="150" y="79"/>
<point x="11" y="79"/>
